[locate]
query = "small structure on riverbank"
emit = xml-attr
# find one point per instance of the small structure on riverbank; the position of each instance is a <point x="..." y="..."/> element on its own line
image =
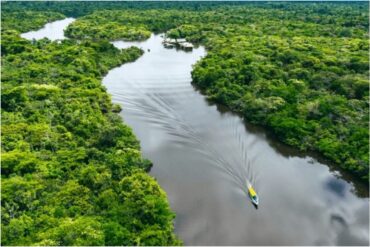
<point x="180" y="43"/>
<point x="187" y="46"/>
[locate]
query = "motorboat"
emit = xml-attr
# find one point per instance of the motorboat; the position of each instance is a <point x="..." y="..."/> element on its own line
<point x="253" y="195"/>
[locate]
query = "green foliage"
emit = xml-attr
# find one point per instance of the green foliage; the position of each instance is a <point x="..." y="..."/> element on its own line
<point x="72" y="172"/>
<point x="19" y="20"/>
<point x="80" y="231"/>
<point x="300" y="69"/>
<point x="307" y="81"/>
<point x="91" y="28"/>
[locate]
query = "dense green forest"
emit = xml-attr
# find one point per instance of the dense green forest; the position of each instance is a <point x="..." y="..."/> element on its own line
<point x="299" y="69"/>
<point x="72" y="172"/>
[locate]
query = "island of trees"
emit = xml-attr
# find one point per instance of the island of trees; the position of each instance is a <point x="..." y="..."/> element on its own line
<point x="72" y="172"/>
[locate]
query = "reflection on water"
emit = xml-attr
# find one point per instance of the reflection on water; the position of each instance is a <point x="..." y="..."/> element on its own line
<point x="53" y="30"/>
<point x="204" y="155"/>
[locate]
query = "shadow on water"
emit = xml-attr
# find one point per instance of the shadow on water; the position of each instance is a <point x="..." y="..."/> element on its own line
<point x="204" y="156"/>
<point x="360" y="188"/>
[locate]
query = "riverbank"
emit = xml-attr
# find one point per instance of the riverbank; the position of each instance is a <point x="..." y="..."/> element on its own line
<point x="203" y="155"/>
<point x="278" y="69"/>
<point x="72" y="171"/>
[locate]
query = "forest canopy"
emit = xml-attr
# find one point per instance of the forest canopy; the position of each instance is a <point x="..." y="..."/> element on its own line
<point x="300" y="69"/>
<point x="72" y="171"/>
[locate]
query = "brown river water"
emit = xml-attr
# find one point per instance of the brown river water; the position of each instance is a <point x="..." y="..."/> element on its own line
<point x="204" y="155"/>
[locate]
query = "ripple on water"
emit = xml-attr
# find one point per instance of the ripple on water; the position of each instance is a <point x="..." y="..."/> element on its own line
<point x="203" y="156"/>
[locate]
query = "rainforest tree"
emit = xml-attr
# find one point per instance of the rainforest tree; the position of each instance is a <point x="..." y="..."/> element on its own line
<point x="72" y="172"/>
<point x="300" y="69"/>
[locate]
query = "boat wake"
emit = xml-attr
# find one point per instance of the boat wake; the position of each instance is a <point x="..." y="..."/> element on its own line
<point x="159" y="105"/>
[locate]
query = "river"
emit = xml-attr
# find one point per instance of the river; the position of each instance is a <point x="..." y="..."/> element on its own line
<point x="203" y="156"/>
<point x="53" y="30"/>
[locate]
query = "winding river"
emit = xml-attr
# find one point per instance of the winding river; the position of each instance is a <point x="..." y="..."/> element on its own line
<point x="203" y="156"/>
<point x="53" y="30"/>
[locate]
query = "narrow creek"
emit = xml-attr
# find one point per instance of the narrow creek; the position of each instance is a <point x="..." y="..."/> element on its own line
<point x="203" y="156"/>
